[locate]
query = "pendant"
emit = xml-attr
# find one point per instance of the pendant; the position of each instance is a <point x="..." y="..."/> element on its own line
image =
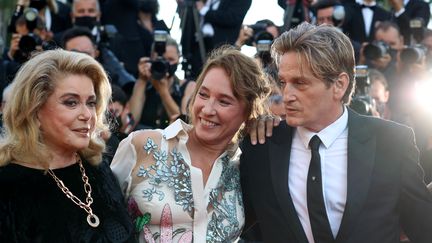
<point x="93" y="220"/>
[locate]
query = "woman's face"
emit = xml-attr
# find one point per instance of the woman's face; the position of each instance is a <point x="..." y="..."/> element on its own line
<point x="68" y="117"/>
<point x="218" y="114"/>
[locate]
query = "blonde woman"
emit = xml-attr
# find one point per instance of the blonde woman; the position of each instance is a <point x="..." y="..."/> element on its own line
<point x="54" y="187"/>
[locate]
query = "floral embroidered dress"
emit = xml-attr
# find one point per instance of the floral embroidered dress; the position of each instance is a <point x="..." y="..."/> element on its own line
<point x="166" y="194"/>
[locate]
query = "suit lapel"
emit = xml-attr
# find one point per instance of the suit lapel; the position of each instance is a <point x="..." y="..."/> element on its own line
<point x="279" y="161"/>
<point x="361" y="159"/>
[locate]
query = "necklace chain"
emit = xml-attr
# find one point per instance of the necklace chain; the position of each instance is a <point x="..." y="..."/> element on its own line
<point x="92" y="219"/>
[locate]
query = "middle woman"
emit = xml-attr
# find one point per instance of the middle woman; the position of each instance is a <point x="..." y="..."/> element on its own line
<point x="182" y="183"/>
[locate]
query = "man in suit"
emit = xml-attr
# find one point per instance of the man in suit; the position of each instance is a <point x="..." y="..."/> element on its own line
<point x="330" y="174"/>
<point x="405" y="11"/>
<point x="361" y="18"/>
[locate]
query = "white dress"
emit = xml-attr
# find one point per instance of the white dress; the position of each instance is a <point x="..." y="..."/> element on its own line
<point x="165" y="193"/>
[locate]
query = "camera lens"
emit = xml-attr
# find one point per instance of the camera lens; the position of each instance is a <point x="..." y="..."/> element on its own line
<point x="375" y="50"/>
<point x="159" y="68"/>
<point x="28" y="43"/>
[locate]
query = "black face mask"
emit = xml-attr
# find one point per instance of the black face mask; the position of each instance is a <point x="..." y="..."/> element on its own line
<point x="149" y="6"/>
<point x="38" y="4"/>
<point x="172" y="68"/>
<point x="86" y="21"/>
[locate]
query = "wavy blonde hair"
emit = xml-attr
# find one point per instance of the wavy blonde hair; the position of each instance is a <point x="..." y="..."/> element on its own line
<point x="247" y="81"/>
<point x="34" y="83"/>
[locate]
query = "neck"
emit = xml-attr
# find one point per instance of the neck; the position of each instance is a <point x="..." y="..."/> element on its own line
<point x="61" y="161"/>
<point x="198" y="147"/>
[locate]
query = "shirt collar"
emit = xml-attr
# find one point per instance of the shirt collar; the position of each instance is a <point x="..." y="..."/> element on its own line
<point x="329" y="134"/>
<point x="361" y="2"/>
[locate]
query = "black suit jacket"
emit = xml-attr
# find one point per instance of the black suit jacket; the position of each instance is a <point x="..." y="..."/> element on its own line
<point x="413" y="9"/>
<point x="227" y="20"/>
<point x="354" y="26"/>
<point x="384" y="186"/>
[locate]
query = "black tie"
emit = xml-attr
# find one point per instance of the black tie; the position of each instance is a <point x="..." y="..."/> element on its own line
<point x="369" y="7"/>
<point x="317" y="213"/>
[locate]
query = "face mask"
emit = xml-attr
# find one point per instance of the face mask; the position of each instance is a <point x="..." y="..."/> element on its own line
<point x="149" y="6"/>
<point x="38" y="4"/>
<point x="172" y="68"/>
<point x="86" y="21"/>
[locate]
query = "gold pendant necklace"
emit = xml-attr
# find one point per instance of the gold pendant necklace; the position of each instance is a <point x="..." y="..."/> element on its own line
<point x="92" y="219"/>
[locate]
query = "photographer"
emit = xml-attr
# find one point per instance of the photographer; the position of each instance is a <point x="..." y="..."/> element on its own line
<point x="81" y="40"/>
<point x="54" y="14"/>
<point x="86" y="13"/>
<point x="262" y="29"/>
<point x="383" y="53"/>
<point x="160" y="97"/>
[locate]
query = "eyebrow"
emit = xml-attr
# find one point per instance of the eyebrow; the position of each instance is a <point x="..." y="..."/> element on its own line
<point x="230" y="97"/>
<point x="76" y="95"/>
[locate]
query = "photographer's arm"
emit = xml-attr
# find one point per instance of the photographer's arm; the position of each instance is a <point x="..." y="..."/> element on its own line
<point x="163" y="88"/>
<point x="13" y="46"/>
<point x="138" y="98"/>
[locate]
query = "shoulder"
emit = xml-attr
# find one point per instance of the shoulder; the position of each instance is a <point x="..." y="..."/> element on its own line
<point x="282" y="134"/>
<point x="380" y="128"/>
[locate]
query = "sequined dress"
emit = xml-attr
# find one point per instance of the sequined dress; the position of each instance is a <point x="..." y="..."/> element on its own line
<point x="34" y="209"/>
<point x="166" y="195"/>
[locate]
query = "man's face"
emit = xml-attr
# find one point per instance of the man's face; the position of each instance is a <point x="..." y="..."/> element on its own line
<point x="309" y="103"/>
<point x="325" y="16"/>
<point x="391" y="37"/>
<point x="81" y="44"/>
<point x="378" y="92"/>
<point x="85" y="8"/>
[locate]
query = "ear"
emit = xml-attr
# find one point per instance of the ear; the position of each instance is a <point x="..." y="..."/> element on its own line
<point x="340" y="86"/>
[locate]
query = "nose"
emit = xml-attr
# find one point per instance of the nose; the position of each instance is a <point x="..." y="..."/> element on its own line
<point x="85" y="113"/>
<point x="208" y="108"/>
<point x="288" y="93"/>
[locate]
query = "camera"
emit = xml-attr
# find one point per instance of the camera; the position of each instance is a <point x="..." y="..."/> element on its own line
<point x="361" y="101"/>
<point x="417" y="29"/>
<point x="28" y="43"/>
<point x="413" y="54"/>
<point x="159" y="66"/>
<point x="375" y="50"/>
<point x="259" y="33"/>
<point x="106" y="33"/>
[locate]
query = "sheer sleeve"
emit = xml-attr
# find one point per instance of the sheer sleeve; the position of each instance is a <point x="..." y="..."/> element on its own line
<point x="124" y="162"/>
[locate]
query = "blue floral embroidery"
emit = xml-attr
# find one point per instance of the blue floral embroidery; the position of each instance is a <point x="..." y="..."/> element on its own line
<point x="150" y="146"/>
<point x="173" y="173"/>
<point x="224" y="199"/>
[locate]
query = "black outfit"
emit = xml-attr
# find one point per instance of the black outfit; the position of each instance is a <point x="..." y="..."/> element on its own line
<point x="132" y="41"/>
<point x="226" y="22"/>
<point x="154" y="114"/>
<point x="385" y="189"/>
<point x="34" y="209"/>
<point x="413" y="9"/>
<point x="354" y="26"/>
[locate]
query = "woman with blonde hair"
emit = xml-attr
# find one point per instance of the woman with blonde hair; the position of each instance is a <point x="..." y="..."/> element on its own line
<point x="54" y="187"/>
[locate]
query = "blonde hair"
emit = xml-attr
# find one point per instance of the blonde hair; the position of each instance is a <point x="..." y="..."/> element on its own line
<point x="247" y="81"/>
<point x="33" y="84"/>
<point x="326" y="50"/>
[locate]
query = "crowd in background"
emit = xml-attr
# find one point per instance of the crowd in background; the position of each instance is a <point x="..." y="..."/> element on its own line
<point x="392" y="41"/>
<point x="392" y="45"/>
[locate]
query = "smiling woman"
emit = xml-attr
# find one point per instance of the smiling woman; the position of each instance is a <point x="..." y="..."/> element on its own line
<point x="182" y="183"/>
<point x="53" y="186"/>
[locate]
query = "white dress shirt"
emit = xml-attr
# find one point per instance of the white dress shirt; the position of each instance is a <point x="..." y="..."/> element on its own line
<point x="367" y="16"/>
<point x="333" y="152"/>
